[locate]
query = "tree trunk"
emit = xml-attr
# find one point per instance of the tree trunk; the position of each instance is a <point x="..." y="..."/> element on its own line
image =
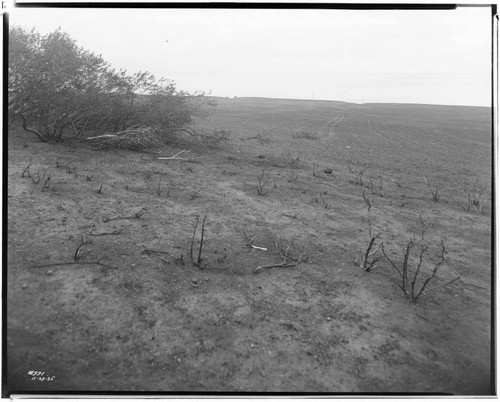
<point x="32" y="130"/>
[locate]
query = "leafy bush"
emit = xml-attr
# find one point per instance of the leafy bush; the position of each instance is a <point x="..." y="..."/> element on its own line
<point x="57" y="87"/>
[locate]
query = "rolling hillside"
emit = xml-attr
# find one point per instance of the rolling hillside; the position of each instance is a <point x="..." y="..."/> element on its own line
<point x="280" y="301"/>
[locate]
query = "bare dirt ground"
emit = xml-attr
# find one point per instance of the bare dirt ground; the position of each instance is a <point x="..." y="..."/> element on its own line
<point x="141" y="320"/>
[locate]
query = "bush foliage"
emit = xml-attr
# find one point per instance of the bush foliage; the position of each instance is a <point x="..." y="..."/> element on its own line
<point x="57" y="88"/>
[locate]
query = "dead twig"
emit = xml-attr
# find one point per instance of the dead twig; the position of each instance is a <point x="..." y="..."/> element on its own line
<point x="195" y="194"/>
<point x="199" y="259"/>
<point x="409" y="286"/>
<point x="192" y="238"/>
<point x="358" y="180"/>
<point x="325" y="204"/>
<point x="284" y="253"/>
<point x="175" y="157"/>
<point x="250" y="244"/>
<point x="137" y="215"/>
<point x="201" y="241"/>
<point x="37" y="180"/>
<point x="46" y="183"/>
<point x="446" y="284"/>
<point x="70" y="169"/>
<point x="79" y="250"/>
<point x="263" y="182"/>
<point x="59" y="264"/>
<point x="315" y="170"/>
<point x="77" y="258"/>
<point x="192" y="283"/>
<point x="149" y="251"/>
<point x="368" y="203"/>
<point x="136" y="138"/>
<point x="172" y="258"/>
<point x="114" y="232"/>
<point x="369" y="266"/>
<point x="178" y="260"/>
<point x="27" y="168"/>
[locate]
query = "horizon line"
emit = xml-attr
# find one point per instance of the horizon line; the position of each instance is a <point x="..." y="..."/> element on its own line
<point x="348" y="102"/>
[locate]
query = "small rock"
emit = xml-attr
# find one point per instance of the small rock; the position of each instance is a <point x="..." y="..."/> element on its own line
<point x="328" y="318"/>
<point x="329" y="171"/>
<point x="24" y="286"/>
<point x="50" y="272"/>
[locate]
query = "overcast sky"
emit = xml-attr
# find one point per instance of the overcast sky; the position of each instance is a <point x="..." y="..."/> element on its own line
<point x="436" y="57"/>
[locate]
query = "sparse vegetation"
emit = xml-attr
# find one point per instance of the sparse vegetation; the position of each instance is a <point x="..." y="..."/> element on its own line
<point x="160" y="289"/>
<point x="410" y="282"/>
<point x="292" y="159"/>
<point x="77" y="258"/>
<point x="368" y="261"/>
<point x="284" y="251"/>
<point x="264" y="185"/>
<point x="376" y="185"/>
<point x="477" y="194"/>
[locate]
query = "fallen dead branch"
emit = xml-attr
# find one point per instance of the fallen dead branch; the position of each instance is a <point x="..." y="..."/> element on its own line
<point x="77" y="258"/>
<point x="177" y="260"/>
<point x="192" y="283"/>
<point x="250" y="244"/>
<point x="135" y="138"/>
<point x="175" y="157"/>
<point x="285" y="255"/>
<point x="59" y="264"/>
<point x="149" y="251"/>
<point x="114" y="232"/>
<point x="195" y="194"/>
<point x="137" y="215"/>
